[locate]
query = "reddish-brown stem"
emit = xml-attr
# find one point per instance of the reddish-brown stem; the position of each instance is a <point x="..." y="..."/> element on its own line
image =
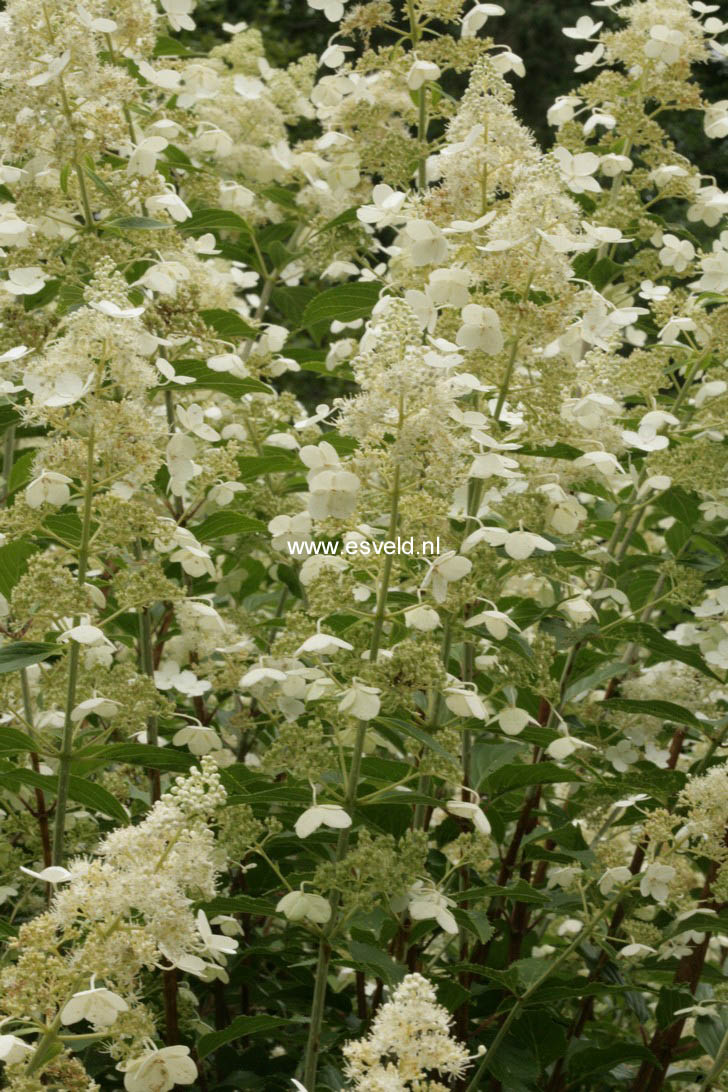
<point x="41" y="814"/>
<point x="171" y="1017"/>
<point x="361" y="997"/>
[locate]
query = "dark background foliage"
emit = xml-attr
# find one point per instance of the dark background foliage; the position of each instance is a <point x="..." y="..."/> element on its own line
<point x="531" y="28"/>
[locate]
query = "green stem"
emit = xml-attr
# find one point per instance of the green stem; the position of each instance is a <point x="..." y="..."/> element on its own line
<point x="8" y="453"/>
<point x="422" y="136"/>
<point x="422" y="99"/>
<point x="64" y="769"/>
<point x="87" y="213"/>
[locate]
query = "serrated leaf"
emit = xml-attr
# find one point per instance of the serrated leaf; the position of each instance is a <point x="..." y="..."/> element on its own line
<point x="240" y="1026"/>
<point x="476" y="922"/>
<point x="343" y="302"/>
<point x="220" y="524"/>
<point x="229" y="325"/>
<point x="24" y="653"/>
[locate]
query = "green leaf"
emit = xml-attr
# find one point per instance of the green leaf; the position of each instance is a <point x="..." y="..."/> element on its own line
<point x="520" y="891"/>
<point x="65" y="526"/>
<point x="48" y="292"/>
<point x="595" y="678"/>
<point x="292" y="301"/>
<point x="681" y="505"/>
<point x="88" y="793"/>
<point x="347" y="217"/>
<point x="136" y="223"/>
<point x="477" y="922"/>
<point x="70" y="297"/>
<point x="22" y="471"/>
<point x="279" y="195"/>
<point x="557" y="450"/>
<point x="669" y="1001"/>
<point x="640" y="633"/>
<point x="664" y="710"/>
<point x="237" y="904"/>
<point x="223" y="382"/>
<point x="8" y="415"/>
<point x="220" y="524"/>
<point x="240" y="1026"/>
<point x="13" y="563"/>
<point x="13" y="741"/>
<point x="98" y="182"/>
<point x="596" y="1061"/>
<point x="253" y="466"/>
<point x="599" y="271"/>
<point x="376" y="961"/>
<point x="417" y="733"/>
<point x="135" y="754"/>
<point x="710" y="1031"/>
<point x="215" y="219"/>
<point x="170" y="47"/>
<point x="344" y="302"/>
<point x="517" y="774"/>
<point x="663" y="785"/>
<point x="229" y="325"/>
<point x="24" y="653"/>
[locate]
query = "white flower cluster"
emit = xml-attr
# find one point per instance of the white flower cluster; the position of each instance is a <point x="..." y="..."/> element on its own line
<point x="409" y="1043"/>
